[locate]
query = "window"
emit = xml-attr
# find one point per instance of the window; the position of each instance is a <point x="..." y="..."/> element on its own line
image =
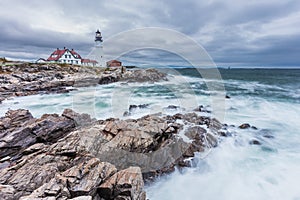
<point x="66" y="56"/>
<point x="64" y="61"/>
<point x="69" y="56"/>
<point x="76" y="62"/>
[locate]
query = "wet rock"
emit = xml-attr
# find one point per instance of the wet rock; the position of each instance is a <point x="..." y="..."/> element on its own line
<point x="126" y="114"/>
<point x="224" y="133"/>
<point x="126" y="184"/>
<point x="266" y="133"/>
<point x="141" y="106"/>
<point x="268" y="136"/>
<point x="227" y="97"/>
<point x="172" y="107"/>
<point x="255" y="142"/>
<point x="244" y="126"/>
<point x="201" y="108"/>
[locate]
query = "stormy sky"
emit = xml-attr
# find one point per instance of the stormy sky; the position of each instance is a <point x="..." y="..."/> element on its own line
<point x="251" y="33"/>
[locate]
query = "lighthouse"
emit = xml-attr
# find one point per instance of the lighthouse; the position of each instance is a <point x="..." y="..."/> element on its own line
<point x="98" y="49"/>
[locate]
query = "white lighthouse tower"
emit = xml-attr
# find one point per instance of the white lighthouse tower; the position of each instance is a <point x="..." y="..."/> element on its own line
<point x="97" y="51"/>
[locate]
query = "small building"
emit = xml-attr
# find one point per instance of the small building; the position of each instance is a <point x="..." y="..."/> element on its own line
<point x="88" y="62"/>
<point x="65" y="56"/>
<point x="41" y="60"/>
<point x="114" y="63"/>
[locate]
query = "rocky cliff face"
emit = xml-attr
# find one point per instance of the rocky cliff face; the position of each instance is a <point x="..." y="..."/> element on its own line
<point x="28" y="79"/>
<point x="72" y="156"/>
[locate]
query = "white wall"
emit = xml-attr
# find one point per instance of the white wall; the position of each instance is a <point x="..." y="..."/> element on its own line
<point x="68" y="58"/>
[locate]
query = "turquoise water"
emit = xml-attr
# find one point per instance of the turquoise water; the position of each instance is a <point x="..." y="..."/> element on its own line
<point x="266" y="98"/>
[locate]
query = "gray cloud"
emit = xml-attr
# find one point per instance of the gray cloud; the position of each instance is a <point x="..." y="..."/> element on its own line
<point x="234" y="33"/>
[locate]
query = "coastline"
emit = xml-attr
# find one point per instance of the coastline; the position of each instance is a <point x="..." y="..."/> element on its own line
<point x="59" y="156"/>
<point x="24" y="79"/>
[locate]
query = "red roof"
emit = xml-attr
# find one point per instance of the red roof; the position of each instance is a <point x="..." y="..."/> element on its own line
<point x="76" y="55"/>
<point x="57" y="54"/>
<point x="88" y="61"/>
<point x="114" y="61"/>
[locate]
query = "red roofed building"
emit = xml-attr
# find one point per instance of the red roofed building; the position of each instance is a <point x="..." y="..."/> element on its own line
<point x="114" y="63"/>
<point x="88" y="62"/>
<point x="65" y="56"/>
<point x="69" y="57"/>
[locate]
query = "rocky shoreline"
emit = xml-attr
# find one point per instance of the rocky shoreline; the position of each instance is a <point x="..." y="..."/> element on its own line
<point x="25" y="79"/>
<point x="72" y="156"/>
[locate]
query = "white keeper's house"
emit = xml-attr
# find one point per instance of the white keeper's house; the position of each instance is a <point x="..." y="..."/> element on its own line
<point x="65" y="56"/>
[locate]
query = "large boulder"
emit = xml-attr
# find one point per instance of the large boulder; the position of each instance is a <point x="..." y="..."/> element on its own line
<point x="126" y="184"/>
<point x="19" y="130"/>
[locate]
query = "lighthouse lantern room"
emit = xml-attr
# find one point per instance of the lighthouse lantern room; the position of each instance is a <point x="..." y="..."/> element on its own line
<point x="98" y="37"/>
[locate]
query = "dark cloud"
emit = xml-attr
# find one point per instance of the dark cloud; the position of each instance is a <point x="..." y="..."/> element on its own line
<point x="234" y="33"/>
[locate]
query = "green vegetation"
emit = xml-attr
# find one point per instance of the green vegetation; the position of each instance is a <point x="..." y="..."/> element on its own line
<point x="3" y="60"/>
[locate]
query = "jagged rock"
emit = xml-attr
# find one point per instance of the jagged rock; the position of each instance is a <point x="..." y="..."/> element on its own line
<point x="55" y="160"/>
<point x="79" y="119"/>
<point x="80" y="180"/>
<point x="244" y="126"/>
<point x="150" y="142"/>
<point x="19" y="130"/>
<point x="126" y="184"/>
<point x="141" y="106"/>
<point x="201" y="140"/>
<point x="84" y="178"/>
<point x="201" y="108"/>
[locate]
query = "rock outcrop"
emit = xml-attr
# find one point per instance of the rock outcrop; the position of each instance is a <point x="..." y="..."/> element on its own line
<point x="72" y="156"/>
<point x="141" y="75"/>
<point x="19" y="130"/>
<point x="125" y="184"/>
<point x="27" y="79"/>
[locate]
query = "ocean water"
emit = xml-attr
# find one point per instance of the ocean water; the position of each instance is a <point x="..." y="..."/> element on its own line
<point x="268" y="99"/>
